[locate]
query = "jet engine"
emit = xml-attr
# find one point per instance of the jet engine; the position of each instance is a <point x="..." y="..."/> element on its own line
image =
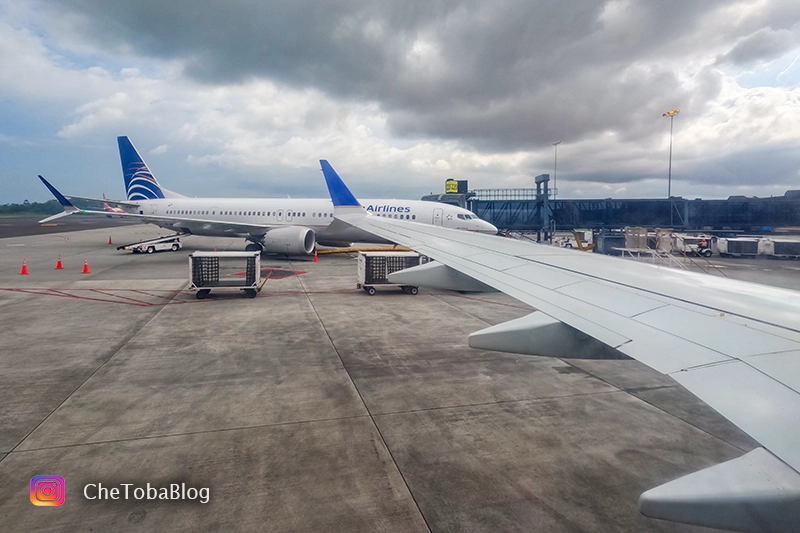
<point x="292" y="240"/>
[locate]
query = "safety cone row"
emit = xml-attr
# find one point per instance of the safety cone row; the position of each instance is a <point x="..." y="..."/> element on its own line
<point x="59" y="266"/>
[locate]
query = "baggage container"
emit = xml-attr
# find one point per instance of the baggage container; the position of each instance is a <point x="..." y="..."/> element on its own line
<point x="374" y="267"/>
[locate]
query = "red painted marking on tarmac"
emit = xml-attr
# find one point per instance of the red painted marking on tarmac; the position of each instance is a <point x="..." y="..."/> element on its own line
<point x="121" y="297"/>
<point x="147" y="293"/>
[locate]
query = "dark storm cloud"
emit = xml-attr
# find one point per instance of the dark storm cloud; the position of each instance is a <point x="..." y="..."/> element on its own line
<point x="503" y="75"/>
<point x="763" y="44"/>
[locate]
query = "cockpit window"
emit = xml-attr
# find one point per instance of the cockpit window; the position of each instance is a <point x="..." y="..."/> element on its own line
<point x="461" y="216"/>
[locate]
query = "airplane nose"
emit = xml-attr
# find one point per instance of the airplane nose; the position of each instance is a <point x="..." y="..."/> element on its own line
<point x="488" y="228"/>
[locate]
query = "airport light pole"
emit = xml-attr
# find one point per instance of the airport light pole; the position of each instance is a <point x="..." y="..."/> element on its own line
<point x="671" y="115"/>
<point x="555" y="170"/>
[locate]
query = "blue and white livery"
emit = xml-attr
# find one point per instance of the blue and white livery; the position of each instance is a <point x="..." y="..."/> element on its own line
<point x="281" y="225"/>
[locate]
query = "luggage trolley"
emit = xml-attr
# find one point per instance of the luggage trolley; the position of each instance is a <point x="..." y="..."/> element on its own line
<point x="374" y="267"/>
<point x="225" y="270"/>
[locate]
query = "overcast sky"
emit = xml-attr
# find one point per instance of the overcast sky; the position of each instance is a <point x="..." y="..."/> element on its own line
<point x="243" y="97"/>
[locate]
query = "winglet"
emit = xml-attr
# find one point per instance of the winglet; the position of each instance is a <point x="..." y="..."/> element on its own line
<point x="66" y="204"/>
<point x="340" y="194"/>
<point x="69" y="208"/>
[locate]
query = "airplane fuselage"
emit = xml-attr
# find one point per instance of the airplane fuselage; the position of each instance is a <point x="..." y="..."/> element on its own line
<point x="313" y="213"/>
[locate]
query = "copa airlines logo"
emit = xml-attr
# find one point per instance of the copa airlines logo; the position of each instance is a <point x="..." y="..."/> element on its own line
<point x="142" y="185"/>
<point x="388" y="209"/>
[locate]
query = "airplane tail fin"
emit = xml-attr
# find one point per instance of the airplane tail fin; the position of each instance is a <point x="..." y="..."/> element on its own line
<point x="344" y="202"/>
<point x="140" y="184"/>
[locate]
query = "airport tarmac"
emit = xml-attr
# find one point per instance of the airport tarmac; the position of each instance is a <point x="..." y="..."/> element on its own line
<point x="315" y="407"/>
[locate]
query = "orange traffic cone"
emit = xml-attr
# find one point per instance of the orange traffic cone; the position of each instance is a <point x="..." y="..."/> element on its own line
<point x="24" y="271"/>
<point x="316" y="260"/>
<point x="85" y="266"/>
<point x="59" y="266"/>
<point x="109" y="240"/>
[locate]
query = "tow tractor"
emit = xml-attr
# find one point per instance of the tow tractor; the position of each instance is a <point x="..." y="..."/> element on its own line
<point x="171" y="242"/>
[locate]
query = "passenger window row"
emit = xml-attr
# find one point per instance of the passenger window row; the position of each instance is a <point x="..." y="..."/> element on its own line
<point x="413" y="217"/>
<point x="243" y="213"/>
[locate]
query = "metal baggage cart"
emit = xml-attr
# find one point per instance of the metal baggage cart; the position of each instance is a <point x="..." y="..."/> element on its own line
<point x="225" y="270"/>
<point x="374" y="267"/>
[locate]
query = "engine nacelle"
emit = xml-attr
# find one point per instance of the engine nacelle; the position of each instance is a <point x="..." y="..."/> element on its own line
<point x="292" y="240"/>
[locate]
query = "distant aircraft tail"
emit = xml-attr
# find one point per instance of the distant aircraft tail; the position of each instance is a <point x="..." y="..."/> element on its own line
<point x="140" y="184"/>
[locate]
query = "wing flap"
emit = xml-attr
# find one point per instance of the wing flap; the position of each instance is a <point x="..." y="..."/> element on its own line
<point x="764" y="408"/>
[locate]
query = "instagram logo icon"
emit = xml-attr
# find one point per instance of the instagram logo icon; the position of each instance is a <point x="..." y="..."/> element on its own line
<point x="47" y="490"/>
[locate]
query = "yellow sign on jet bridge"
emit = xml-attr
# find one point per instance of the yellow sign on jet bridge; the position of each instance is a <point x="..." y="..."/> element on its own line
<point x="451" y="186"/>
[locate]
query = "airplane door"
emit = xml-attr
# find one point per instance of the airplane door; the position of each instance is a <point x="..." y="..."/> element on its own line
<point x="153" y="209"/>
<point x="437" y="216"/>
<point x="279" y="216"/>
<point x="289" y="215"/>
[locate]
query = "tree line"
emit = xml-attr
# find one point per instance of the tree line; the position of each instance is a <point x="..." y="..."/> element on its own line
<point x="31" y="208"/>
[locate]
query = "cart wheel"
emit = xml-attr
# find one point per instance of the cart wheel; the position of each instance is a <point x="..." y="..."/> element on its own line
<point x="175" y="247"/>
<point x="151" y="249"/>
<point x="201" y="294"/>
<point x="707" y="253"/>
<point x="413" y="290"/>
<point x="370" y="290"/>
<point x="251" y="293"/>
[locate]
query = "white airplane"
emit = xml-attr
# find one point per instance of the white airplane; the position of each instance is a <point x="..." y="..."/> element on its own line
<point x="281" y="225"/>
<point x="735" y="345"/>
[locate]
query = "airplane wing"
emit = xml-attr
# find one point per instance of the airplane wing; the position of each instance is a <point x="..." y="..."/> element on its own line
<point x="103" y="200"/>
<point x="735" y="345"/>
<point x="196" y="225"/>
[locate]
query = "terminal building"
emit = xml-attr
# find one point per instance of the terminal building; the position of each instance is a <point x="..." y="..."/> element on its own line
<point x="534" y="210"/>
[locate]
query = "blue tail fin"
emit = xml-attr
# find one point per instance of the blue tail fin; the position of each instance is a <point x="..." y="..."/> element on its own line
<point x="140" y="184"/>
<point x="340" y="194"/>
